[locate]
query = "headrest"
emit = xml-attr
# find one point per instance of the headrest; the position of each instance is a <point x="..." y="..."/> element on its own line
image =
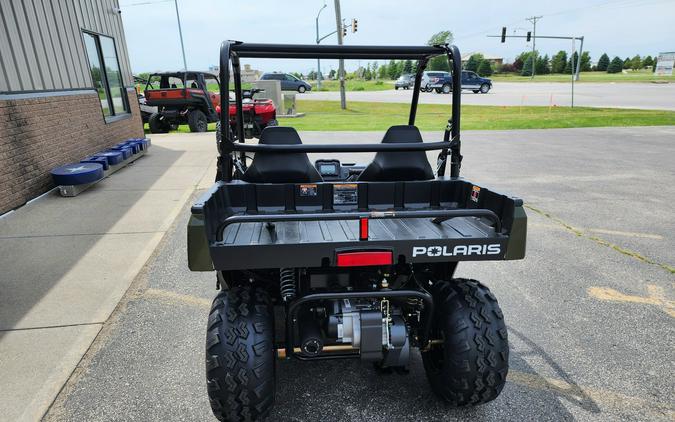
<point x="279" y="135"/>
<point x="402" y="134"/>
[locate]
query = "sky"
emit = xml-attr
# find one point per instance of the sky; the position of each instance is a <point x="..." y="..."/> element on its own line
<point x="618" y="27"/>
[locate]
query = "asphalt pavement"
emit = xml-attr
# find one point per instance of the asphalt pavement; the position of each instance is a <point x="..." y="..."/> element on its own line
<point x="588" y="94"/>
<point x="589" y="310"/>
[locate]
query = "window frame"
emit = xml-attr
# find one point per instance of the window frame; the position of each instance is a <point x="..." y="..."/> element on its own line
<point x="126" y="108"/>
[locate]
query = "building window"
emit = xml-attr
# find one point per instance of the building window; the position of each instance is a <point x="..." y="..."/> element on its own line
<point x="105" y="72"/>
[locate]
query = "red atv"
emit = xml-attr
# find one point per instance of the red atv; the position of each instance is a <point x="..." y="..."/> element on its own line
<point x="258" y="114"/>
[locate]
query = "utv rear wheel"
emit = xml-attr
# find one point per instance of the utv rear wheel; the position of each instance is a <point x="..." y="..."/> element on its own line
<point x="240" y="354"/>
<point x="470" y="364"/>
<point x="158" y="124"/>
<point x="197" y="121"/>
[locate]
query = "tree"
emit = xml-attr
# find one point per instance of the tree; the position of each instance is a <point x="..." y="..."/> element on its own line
<point x="558" y="62"/>
<point x="648" y="62"/>
<point x="440" y="62"/>
<point x="331" y="74"/>
<point x="407" y="66"/>
<point x="392" y="69"/>
<point x="571" y="65"/>
<point x="474" y="62"/>
<point x="656" y="60"/>
<point x="311" y="75"/>
<point x="585" y="61"/>
<point x="603" y="62"/>
<point x="636" y="62"/>
<point x="626" y="63"/>
<point x="615" y="66"/>
<point x="527" y="64"/>
<point x="542" y="65"/>
<point x="382" y="72"/>
<point x="485" y="68"/>
<point x="367" y="74"/>
<point x="376" y="65"/>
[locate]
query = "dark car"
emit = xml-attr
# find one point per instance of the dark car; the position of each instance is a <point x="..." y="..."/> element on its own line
<point x="288" y="82"/>
<point x="441" y="82"/>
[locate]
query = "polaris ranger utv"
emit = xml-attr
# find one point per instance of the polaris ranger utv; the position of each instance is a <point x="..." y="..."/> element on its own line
<point x="349" y="261"/>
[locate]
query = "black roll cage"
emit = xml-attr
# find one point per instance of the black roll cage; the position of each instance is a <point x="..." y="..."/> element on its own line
<point x="232" y="51"/>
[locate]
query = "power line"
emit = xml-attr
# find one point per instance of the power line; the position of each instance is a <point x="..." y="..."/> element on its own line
<point x="144" y="3"/>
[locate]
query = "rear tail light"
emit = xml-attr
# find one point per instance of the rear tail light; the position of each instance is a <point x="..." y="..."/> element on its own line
<point x="364" y="258"/>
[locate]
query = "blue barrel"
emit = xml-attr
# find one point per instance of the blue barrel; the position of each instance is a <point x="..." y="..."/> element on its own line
<point x="113" y="157"/>
<point x="126" y="151"/>
<point x="96" y="159"/>
<point x="134" y="147"/>
<point x="77" y="173"/>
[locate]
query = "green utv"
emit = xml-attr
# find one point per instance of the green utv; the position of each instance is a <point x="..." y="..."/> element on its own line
<point x="358" y="261"/>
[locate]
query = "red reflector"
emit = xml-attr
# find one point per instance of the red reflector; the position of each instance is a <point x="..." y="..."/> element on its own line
<point x="364" y="259"/>
<point x="363" y="229"/>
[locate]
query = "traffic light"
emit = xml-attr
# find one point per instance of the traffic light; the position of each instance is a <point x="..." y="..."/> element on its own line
<point x="355" y="24"/>
<point x="503" y="34"/>
<point x="344" y="30"/>
<point x="529" y="36"/>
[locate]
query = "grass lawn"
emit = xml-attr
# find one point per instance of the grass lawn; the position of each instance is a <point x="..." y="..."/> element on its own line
<point x="326" y="115"/>
<point x="630" y="76"/>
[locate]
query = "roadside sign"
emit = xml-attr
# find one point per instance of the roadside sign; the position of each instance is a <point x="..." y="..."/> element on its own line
<point x="664" y="65"/>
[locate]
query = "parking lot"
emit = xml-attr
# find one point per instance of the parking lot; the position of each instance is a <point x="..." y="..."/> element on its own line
<point x="587" y="94"/>
<point x="590" y="310"/>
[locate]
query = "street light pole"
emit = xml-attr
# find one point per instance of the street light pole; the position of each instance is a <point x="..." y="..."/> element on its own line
<point x="534" y="20"/>
<point x="318" y="61"/>
<point x="341" y="68"/>
<point x="180" y="33"/>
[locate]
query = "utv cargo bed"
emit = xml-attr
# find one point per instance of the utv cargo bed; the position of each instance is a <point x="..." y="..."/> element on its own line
<point x="255" y="226"/>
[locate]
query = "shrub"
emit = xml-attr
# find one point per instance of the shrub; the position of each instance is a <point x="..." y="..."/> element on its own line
<point x="615" y="66"/>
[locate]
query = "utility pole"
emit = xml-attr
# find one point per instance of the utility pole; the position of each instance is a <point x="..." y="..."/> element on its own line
<point x="180" y="33"/>
<point x="318" y="40"/>
<point x="534" y="20"/>
<point x="341" y="67"/>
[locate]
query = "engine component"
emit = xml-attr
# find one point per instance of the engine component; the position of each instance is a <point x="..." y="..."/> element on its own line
<point x="378" y="331"/>
<point x="287" y="283"/>
<point x="311" y="340"/>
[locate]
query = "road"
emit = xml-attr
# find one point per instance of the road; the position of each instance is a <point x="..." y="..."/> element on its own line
<point x="590" y="310"/>
<point x="623" y="95"/>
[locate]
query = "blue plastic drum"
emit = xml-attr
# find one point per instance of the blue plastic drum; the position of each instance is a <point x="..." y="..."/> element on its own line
<point x="126" y="151"/>
<point x="96" y="159"/>
<point x="113" y="157"/>
<point x="77" y="173"/>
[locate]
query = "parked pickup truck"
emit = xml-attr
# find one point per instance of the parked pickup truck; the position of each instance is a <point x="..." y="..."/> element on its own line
<point x="441" y="82"/>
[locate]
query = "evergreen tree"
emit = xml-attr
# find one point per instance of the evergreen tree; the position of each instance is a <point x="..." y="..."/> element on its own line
<point x="585" y="61"/>
<point x="542" y="65"/>
<point x="473" y="62"/>
<point x="408" y="66"/>
<point x="331" y="74"/>
<point x="647" y="62"/>
<point x="392" y="69"/>
<point x="572" y="67"/>
<point x="656" y="61"/>
<point x="527" y="64"/>
<point x="485" y="68"/>
<point x="558" y="62"/>
<point x="367" y="74"/>
<point x="626" y="63"/>
<point x="636" y="62"/>
<point x="615" y="66"/>
<point x="603" y="62"/>
<point x="376" y="65"/>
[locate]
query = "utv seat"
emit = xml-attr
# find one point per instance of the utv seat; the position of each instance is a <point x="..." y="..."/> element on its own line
<point x="395" y="166"/>
<point x="275" y="167"/>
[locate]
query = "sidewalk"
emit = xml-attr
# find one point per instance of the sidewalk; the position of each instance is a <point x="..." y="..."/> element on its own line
<point x="66" y="262"/>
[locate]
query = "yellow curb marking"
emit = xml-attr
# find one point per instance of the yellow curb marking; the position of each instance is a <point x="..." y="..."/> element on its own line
<point x="655" y="297"/>
<point x="173" y="297"/>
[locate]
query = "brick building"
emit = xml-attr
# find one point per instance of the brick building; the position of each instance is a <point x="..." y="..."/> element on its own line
<point x="66" y="90"/>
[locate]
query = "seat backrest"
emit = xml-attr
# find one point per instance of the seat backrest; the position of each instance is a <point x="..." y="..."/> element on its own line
<point x="275" y="167"/>
<point x="399" y="166"/>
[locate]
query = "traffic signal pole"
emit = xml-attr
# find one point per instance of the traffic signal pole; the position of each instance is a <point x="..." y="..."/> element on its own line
<point x="341" y="66"/>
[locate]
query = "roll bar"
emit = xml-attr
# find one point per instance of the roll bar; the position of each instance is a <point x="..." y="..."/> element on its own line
<point x="232" y="51"/>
